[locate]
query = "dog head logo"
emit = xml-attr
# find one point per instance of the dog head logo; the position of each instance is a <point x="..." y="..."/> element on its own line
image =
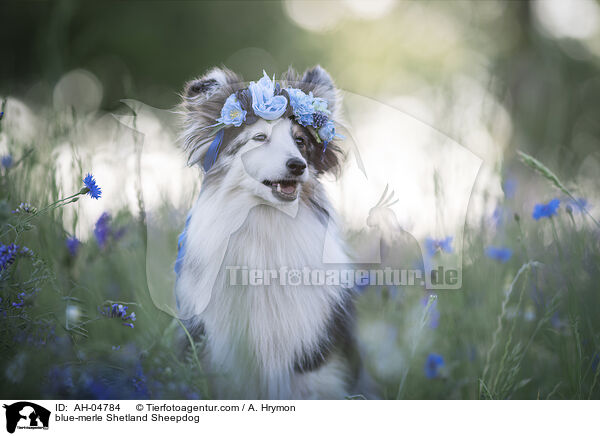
<point x="26" y="415"/>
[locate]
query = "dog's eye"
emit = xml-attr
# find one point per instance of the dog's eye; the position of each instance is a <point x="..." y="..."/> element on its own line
<point x="260" y="137"/>
<point x="300" y="142"/>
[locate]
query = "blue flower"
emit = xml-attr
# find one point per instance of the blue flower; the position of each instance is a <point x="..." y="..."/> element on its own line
<point x="102" y="229"/>
<point x="93" y="189"/>
<point x="501" y="254"/>
<point x="545" y="210"/>
<point x="302" y="106"/>
<point x="25" y="208"/>
<point x="434" y="245"/>
<point x="116" y="310"/>
<point x="433" y="364"/>
<point x="21" y="296"/>
<point x="72" y="245"/>
<point x="327" y="132"/>
<point x="7" y="161"/>
<point x="319" y="119"/>
<point x="232" y="112"/>
<point x="8" y="254"/>
<point x="20" y="302"/>
<point x="265" y="103"/>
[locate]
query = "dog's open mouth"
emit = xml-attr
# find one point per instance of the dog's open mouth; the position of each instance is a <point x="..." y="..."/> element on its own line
<point x="286" y="190"/>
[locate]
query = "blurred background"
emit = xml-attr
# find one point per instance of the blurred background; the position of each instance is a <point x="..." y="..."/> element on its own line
<point x="481" y="79"/>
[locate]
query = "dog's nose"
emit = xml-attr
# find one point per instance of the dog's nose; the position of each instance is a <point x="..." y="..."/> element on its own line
<point x="296" y="166"/>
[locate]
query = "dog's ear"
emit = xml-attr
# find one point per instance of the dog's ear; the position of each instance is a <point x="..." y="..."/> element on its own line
<point x="210" y="83"/>
<point x="202" y="101"/>
<point x="319" y="82"/>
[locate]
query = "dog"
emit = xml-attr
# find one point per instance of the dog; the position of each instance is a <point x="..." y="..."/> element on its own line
<point x="262" y="206"/>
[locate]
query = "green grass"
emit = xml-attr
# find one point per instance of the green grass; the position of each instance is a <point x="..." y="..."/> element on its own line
<point x="527" y="328"/>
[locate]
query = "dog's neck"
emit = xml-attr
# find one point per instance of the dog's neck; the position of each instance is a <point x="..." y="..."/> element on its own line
<point x="231" y="227"/>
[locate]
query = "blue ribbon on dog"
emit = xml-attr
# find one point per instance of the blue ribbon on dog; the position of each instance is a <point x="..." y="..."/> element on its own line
<point x="213" y="150"/>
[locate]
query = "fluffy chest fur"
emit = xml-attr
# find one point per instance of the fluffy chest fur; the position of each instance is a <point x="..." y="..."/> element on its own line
<point x="264" y="341"/>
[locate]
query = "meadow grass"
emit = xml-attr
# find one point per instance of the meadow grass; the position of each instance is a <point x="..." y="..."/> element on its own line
<point x="523" y="326"/>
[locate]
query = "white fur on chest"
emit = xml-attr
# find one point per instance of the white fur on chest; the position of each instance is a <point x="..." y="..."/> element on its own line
<point x="255" y="334"/>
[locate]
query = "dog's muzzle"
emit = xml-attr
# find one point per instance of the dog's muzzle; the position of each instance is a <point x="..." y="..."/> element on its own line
<point x="286" y="189"/>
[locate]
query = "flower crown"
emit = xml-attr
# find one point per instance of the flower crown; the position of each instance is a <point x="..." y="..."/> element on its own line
<point x="267" y="100"/>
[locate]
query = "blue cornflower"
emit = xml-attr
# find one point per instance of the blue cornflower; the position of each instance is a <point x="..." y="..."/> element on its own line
<point x="102" y="229"/>
<point x="7" y="161"/>
<point x="20" y="302"/>
<point x="8" y="254"/>
<point x="72" y="245"/>
<point x="501" y="254"/>
<point x="92" y="188"/>
<point x="435" y="245"/>
<point x="433" y="364"/>
<point x="116" y="310"/>
<point x="25" y="207"/>
<point x="545" y="210"/>
<point x="21" y="296"/>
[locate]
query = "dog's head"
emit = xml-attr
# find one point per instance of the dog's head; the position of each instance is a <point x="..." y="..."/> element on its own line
<point x="274" y="160"/>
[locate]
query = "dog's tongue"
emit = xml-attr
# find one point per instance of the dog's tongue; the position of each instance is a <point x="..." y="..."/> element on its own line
<point x="288" y="188"/>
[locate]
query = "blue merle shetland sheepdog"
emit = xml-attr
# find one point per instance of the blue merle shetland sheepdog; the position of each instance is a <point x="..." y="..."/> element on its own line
<point x="262" y="206"/>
